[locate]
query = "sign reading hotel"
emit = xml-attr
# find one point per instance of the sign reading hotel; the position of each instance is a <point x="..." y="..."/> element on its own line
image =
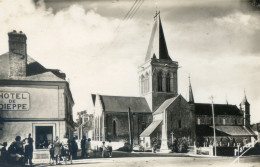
<point x="14" y="101"/>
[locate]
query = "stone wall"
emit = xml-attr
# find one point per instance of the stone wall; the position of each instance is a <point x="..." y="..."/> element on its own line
<point x="181" y="120"/>
<point x="140" y="122"/>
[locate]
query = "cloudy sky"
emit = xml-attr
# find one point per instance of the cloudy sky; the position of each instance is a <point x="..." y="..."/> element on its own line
<point x="216" y="41"/>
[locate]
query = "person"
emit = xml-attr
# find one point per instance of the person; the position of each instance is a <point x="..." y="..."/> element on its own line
<point x="4" y="152"/>
<point x="29" y="150"/>
<point x="104" y="149"/>
<point x="109" y="146"/>
<point x="51" y="154"/>
<point x="83" y="147"/>
<point x="74" y="148"/>
<point x="57" y="149"/>
<point x="88" y="147"/>
<point x="16" y="151"/>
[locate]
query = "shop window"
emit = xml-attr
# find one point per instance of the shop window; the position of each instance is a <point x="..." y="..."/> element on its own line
<point x="44" y="136"/>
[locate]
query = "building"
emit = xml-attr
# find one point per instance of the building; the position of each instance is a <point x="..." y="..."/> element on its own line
<point x="33" y="99"/>
<point x="84" y="125"/>
<point x="161" y="113"/>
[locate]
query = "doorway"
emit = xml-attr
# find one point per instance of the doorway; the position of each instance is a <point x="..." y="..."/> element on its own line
<point x="44" y="136"/>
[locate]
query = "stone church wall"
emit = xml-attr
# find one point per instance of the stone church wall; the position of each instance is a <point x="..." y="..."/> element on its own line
<point x="140" y="122"/>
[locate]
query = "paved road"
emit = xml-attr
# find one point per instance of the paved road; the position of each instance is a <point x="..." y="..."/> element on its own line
<point x="252" y="161"/>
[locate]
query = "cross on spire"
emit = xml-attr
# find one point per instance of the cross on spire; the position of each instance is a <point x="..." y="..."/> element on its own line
<point x="156" y="14"/>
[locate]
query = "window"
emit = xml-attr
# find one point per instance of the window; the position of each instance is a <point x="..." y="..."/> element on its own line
<point x="224" y="121"/>
<point x="168" y="83"/>
<point x="146" y="83"/>
<point x="44" y="136"/>
<point x="142" y="84"/>
<point x="159" y="79"/>
<point x="198" y="121"/>
<point x="179" y="123"/>
<point x="114" y="128"/>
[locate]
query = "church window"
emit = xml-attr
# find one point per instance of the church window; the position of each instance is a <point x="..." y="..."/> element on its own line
<point x="142" y="84"/>
<point x="198" y="121"/>
<point x="114" y="128"/>
<point x="179" y="123"/>
<point x="168" y="82"/>
<point x="159" y="79"/>
<point x="146" y="83"/>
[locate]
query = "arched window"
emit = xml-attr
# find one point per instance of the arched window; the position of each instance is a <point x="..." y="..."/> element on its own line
<point x="146" y="83"/>
<point x="142" y="84"/>
<point x="159" y="79"/>
<point x="114" y="128"/>
<point x="168" y="82"/>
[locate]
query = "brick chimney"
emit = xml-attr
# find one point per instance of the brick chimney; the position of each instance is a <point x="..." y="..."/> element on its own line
<point x="17" y="53"/>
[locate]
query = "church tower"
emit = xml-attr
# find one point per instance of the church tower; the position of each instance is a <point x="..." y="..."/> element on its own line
<point x="245" y="108"/>
<point x="158" y="74"/>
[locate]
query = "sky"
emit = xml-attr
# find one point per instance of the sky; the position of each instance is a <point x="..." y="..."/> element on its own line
<point x="215" y="41"/>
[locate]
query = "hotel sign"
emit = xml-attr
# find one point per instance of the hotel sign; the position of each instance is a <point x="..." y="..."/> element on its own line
<point x="14" y="101"/>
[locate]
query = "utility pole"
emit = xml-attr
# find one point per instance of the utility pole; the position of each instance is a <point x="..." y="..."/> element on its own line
<point x="214" y="128"/>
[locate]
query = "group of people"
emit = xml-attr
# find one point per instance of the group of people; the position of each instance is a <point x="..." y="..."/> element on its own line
<point x="19" y="152"/>
<point x="86" y="148"/>
<point x="63" y="150"/>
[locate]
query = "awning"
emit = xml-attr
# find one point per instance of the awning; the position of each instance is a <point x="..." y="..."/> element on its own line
<point x="236" y="130"/>
<point x="149" y="130"/>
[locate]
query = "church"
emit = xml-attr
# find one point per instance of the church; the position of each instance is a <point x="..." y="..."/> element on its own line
<point x="161" y="112"/>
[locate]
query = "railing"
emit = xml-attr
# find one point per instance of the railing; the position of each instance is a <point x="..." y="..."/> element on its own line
<point x="237" y="159"/>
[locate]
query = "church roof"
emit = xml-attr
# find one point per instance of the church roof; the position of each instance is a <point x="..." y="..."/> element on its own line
<point x="122" y="104"/>
<point x="205" y="130"/>
<point x="219" y="109"/>
<point x="35" y="71"/>
<point x="191" y="98"/>
<point x="149" y="130"/>
<point x="165" y="105"/>
<point x="157" y="43"/>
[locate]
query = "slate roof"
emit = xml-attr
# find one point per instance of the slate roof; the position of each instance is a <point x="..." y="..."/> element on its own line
<point x="122" y="104"/>
<point x="35" y="71"/>
<point x="149" y="130"/>
<point x="165" y="105"/>
<point x="157" y="43"/>
<point x="205" y="130"/>
<point x="219" y="109"/>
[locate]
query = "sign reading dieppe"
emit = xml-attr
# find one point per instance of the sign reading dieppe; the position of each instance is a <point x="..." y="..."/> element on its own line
<point x="15" y="101"/>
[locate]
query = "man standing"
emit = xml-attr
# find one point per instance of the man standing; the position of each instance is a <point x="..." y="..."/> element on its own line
<point x="83" y="148"/>
<point x="29" y="150"/>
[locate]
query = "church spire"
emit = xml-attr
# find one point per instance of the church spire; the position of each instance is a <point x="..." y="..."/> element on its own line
<point x="163" y="51"/>
<point x="157" y="43"/>
<point x="244" y="101"/>
<point x="191" y="98"/>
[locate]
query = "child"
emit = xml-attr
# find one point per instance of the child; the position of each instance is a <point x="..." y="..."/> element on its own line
<point x="52" y="158"/>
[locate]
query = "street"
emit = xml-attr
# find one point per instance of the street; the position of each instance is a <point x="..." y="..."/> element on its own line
<point x="155" y="160"/>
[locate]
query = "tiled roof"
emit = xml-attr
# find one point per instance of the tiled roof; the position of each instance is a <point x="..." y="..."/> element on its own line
<point x="165" y="105"/>
<point x="219" y="109"/>
<point x="149" y="130"/>
<point x="35" y="71"/>
<point x="122" y="104"/>
<point x="205" y="130"/>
